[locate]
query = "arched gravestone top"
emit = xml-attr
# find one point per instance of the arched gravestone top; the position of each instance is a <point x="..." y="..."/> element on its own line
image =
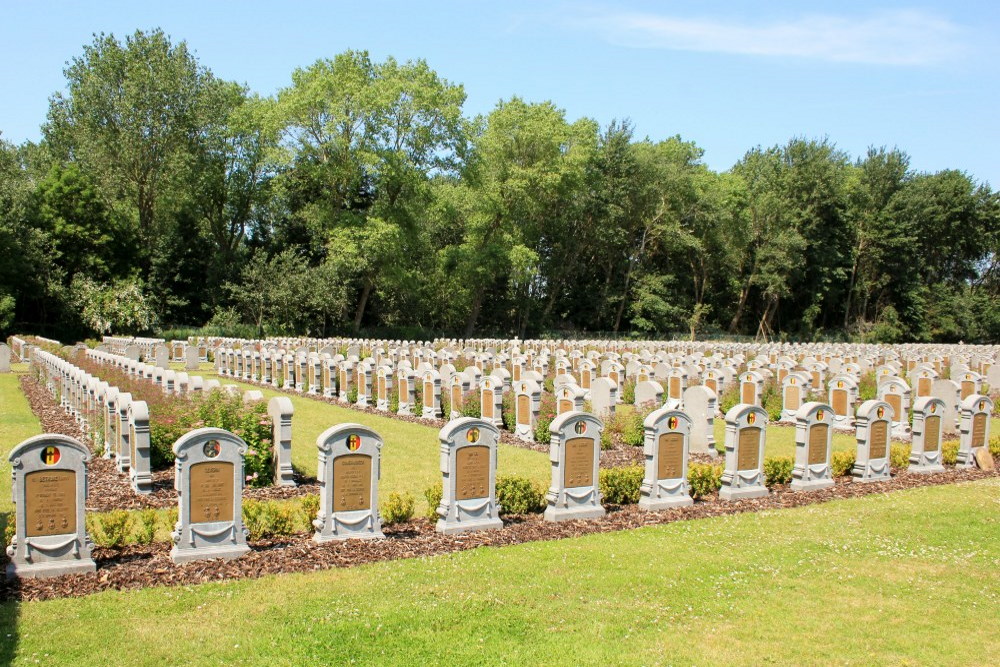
<point x="49" y="475"/>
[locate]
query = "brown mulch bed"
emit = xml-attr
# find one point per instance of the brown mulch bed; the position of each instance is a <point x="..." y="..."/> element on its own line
<point x="108" y="489"/>
<point x="136" y="567"/>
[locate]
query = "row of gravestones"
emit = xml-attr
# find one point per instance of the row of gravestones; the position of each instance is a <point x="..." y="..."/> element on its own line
<point x="50" y="476"/>
<point x="125" y="433"/>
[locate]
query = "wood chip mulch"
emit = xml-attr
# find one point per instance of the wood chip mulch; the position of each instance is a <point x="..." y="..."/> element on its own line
<point x="108" y="489"/>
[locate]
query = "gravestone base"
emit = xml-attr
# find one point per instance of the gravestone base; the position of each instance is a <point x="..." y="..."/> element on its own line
<point x="862" y="473"/>
<point x="965" y="460"/>
<point x="571" y="512"/>
<point x="810" y="485"/>
<point x="743" y="493"/>
<point x="657" y="504"/>
<point x="925" y="468"/>
<point x="50" y="569"/>
<point x="225" y="552"/>
<point x="468" y="524"/>
<point x="364" y="529"/>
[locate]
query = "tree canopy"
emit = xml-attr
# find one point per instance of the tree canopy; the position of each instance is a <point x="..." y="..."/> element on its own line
<point x="361" y="198"/>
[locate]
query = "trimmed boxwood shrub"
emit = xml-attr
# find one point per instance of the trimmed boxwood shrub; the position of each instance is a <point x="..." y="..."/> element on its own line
<point x="841" y="463"/>
<point x="433" y="495"/>
<point x="620" y="485"/>
<point x="704" y="479"/>
<point x="778" y="470"/>
<point x="397" y="508"/>
<point x="519" y="495"/>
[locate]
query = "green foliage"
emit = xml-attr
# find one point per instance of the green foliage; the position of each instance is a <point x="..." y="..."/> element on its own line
<point x="899" y="456"/>
<point x="949" y="452"/>
<point x="433" y="495"/>
<point x="995" y="445"/>
<point x="310" y="507"/>
<point x="9" y="530"/>
<point x="704" y="479"/>
<point x="620" y="485"/>
<point x="730" y="397"/>
<point x="841" y="463"/>
<point x="546" y="413"/>
<point x="507" y="411"/>
<point x="778" y="470"/>
<point x="772" y="400"/>
<point x="867" y="387"/>
<point x="145" y="526"/>
<point x="628" y="392"/>
<point x="519" y="495"/>
<point x="110" y="529"/>
<point x="267" y="518"/>
<point x="352" y="394"/>
<point x="397" y="508"/>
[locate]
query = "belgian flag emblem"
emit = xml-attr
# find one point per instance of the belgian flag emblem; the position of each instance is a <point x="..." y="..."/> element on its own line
<point x="50" y="456"/>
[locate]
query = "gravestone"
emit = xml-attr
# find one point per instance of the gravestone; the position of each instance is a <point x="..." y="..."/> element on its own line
<point x="407" y="391"/>
<point x="666" y="438"/>
<point x="603" y="396"/>
<point x="872" y="428"/>
<point x="743" y="476"/>
<point x="974" y="433"/>
<point x="843" y="392"/>
<point x="468" y="469"/>
<point x="700" y="405"/>
<point x="161" y="356"/>
<point x="191" y="358"/>
<point x="208" y="477"/>
<point x="140" y="474"/>
<point x="4" y="358"/>
<point x="896" y="393"/>
<point x="491" y="400"/>
<point x="383" y="388"/>
<point x="925" y="452"/>
<point x="49" y="474"/>
<point x="813" y="441"/>
<point x="651" y="393"/>
<point x="575" y="453"/>
<point x="431" y="395"/>
<point x="281" y="409"/>
<point x="349" y="470"/>
<point x="793" y="393"/>
<point x="949" y="392"/>
<point x="527" y="401"/>
<point x="751" y="388"/>
<point x="570" y="397"/>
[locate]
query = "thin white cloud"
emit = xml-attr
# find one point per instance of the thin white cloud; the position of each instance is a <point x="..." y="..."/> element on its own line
<point x="907" y="37"/>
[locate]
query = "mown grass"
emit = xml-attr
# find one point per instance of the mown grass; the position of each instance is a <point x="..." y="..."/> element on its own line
<point x="17" y="423"/>
<point x="902" y="578"/>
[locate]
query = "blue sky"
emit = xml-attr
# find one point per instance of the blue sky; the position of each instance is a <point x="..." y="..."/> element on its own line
<point x="728" y="75"/>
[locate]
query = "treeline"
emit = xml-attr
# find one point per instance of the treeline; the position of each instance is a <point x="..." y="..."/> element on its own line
<point x="361" y="198"/>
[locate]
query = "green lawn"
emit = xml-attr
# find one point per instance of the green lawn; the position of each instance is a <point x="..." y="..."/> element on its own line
<point x="17" y="423"/>
<point x="411" y="453"/>
<point x="902" y="578"/>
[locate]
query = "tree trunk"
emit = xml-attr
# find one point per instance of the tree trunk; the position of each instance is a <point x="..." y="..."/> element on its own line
<point x="366" y="290"/>
<point x="477" y="302"/>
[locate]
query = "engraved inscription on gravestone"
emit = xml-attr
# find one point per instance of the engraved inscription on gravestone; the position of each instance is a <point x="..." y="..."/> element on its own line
<point x="472" y="467"/>
<point x="523" y="409"/>
<point x="211" y="492"/>
<point x="670" y="456"/>
<point x="817" y="443"/>
<point x="50" y="502"/>
<point x="579" y="462"/>
<point x="896" y="402"/>
<point x="979" y="430"/>
<point x="749" y="454"/>
<point x="840" y="402"/>
<point x="932" y="431"/>
<point x="352" y="482"/>
<point x="879" y="440"/>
